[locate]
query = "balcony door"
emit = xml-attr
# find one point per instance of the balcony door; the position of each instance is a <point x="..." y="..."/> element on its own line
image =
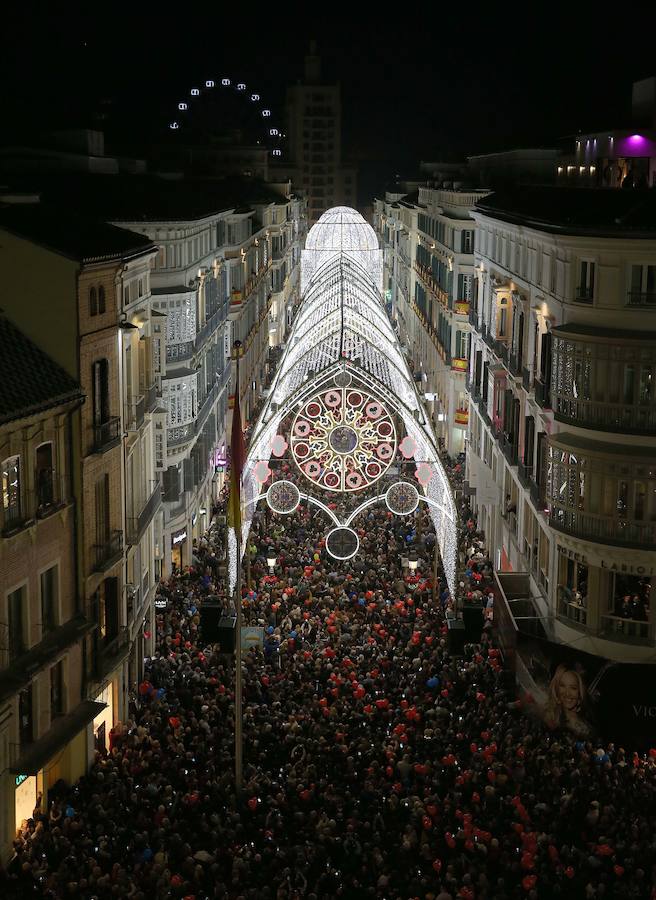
<point x="100" y="371"/>
<point x="102" y="511"/>
<point x="45" y="476"/>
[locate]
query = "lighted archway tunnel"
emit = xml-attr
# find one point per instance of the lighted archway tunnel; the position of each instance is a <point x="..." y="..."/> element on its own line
<point x="343" y="426"/>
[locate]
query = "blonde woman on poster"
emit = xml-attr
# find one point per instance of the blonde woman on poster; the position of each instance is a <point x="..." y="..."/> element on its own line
<point x="566" y="701"/>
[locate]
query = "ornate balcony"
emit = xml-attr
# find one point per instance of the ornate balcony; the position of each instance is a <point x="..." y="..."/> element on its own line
<point x="109" y="552"/>
<point x="106" y="434"/>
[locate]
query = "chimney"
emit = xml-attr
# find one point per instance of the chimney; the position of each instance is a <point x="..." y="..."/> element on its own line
<point x="643" y="103"/>
<point x="312" y="65"/>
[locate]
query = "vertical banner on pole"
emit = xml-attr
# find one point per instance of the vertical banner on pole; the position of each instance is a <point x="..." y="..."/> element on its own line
<point x="237" y="458"/>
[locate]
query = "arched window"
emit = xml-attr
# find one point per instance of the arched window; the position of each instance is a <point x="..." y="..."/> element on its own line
<point x="93" y="302"/>
<point x="101" y="299"/>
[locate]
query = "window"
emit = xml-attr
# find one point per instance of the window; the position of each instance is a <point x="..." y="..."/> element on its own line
<point x="101" y="300"/>
<point x="100" y="380"/>
<point x="16" y="622"/>
<point x="45" y="482"/>
<point x="11" y="499"/>
<point x="26" y="715"/>
<point x="93" y="302"/>
<point x="102" y="510"/>
<point x="643" y="285"/>
<point x="49" y="600"/>
<point x="462" y="344"/>
<point x="467" y="242"/>
<point x="57" y="704"/>
<point x="585" y="289"/>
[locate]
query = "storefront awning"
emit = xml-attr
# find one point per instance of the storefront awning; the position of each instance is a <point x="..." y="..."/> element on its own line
<point x="35" y="756"/>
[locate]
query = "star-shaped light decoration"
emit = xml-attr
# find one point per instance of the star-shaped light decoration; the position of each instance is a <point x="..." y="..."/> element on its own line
<point x="408" y="447"/>
<point x="279" y="445"/>
<point x="423" y="474"/>
<point x="261" y="471"/>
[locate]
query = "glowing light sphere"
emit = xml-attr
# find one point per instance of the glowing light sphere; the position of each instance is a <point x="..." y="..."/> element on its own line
<point x="225" y="82"/>
<point x="261" y="471"/>
<point x="174" y="126"/>
<point x="255" y="97"/>
<point x="342" y="542"/>
<point x="424" y="473"/>
<point x="283" y="497"/>
<point x="273" y="132"/>
<point x="195" y="92"/>
<point x="276" y="152"/>
<point x="408" y="447"/>
<point x="241" y="86"/>
<point x="266" y="113"/>
<point x="402" y="498"/>
<point x="183" y="106"/>
<point x="279" y="445"/>
<point x="343" y="439"/>
<point x="209" y="84"/>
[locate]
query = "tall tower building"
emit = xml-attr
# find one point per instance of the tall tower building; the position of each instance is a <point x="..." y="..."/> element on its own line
<point x="314" y="116"/>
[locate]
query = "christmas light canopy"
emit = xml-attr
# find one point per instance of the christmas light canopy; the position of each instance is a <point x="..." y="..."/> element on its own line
<point x="342" y="374"/>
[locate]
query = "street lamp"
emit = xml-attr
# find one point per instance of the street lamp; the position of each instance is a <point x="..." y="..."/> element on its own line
<point x="413" y="562"/>
<point x="271" y="561"/>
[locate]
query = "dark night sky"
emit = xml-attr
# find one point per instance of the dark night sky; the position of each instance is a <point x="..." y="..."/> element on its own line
<point x="415" y="84"/>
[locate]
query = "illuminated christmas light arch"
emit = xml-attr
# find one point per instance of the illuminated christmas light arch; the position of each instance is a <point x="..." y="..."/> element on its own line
<point x="342" y="334"/>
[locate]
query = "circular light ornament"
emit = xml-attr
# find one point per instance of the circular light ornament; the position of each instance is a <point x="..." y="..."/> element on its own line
<point x="343" y="439"/>
<point x="342" y="542"/>
<point x="402" y="498"/>
<point x="283" y="497"/>
<point x="343" y="378"/>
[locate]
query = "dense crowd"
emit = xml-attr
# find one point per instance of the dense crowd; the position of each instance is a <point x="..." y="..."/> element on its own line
<point x="377" y="763"/>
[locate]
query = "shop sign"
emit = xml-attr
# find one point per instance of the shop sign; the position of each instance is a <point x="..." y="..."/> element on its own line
<point x="595" y="558"/>
<point x="178" y="537"/>
<point x="20" y="779"/>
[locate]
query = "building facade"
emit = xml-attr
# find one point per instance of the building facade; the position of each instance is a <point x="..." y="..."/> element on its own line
<point x="45" y="716"/>
<point x="227" y="272"/>
<point x="562" y="429"/>
<point x="428" y="239"/>
<point x="314" y="136"/>
<point x="93" y="319"/>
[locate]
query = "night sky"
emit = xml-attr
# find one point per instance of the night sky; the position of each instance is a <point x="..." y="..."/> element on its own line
<point x="415" y="84"/>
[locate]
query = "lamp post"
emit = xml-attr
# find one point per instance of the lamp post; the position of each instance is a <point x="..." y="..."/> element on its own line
<point x="413" y="562"/>
<point x="271" y="561"/>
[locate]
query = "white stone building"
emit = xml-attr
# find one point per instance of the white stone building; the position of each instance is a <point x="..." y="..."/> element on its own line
<point x="562" y="430"/>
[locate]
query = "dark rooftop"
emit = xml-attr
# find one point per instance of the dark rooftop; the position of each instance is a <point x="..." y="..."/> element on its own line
<point x="600" y="212"/>
<point x="146" y="198"/>
<point x="70" y="234"/>
<point x="30" y="381"/>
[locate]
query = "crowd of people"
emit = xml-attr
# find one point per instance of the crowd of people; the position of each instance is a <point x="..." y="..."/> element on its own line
<point x="377" y="763"/>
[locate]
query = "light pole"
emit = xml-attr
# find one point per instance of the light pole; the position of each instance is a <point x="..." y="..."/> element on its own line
<point x="413" y="562"/>
<point x="271" y="561"/>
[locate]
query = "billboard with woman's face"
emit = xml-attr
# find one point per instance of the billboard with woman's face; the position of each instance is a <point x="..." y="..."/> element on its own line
<point x="587" y="696"/>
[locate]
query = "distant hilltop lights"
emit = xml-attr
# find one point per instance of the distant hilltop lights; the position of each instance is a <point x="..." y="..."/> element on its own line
<point x="241" y="88"/>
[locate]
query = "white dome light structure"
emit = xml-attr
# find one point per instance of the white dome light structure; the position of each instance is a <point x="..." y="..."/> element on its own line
<point x="342" y="230"/>
<point x="342" y="343"/>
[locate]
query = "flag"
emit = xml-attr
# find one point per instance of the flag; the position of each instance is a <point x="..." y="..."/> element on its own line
<point x="237" y="459"/>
